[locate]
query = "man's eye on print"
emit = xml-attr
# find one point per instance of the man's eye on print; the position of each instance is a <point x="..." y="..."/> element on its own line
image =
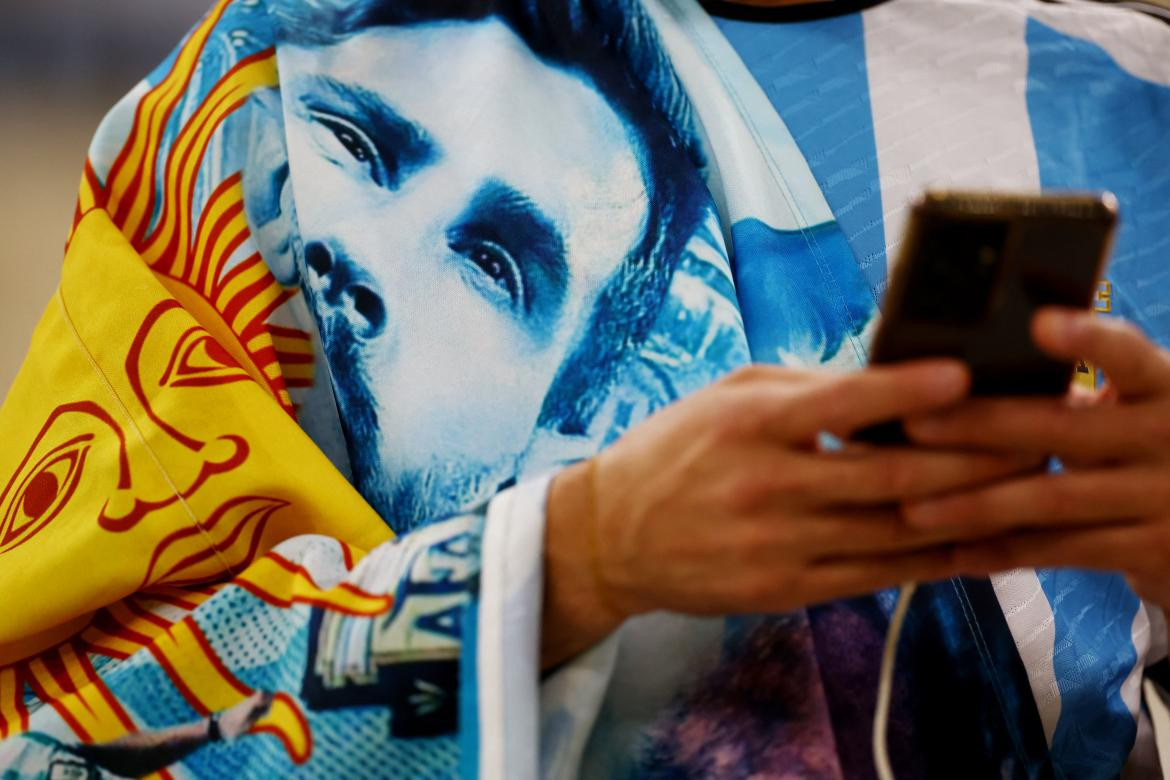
<point x="492" y="269"/>
<point x="514" y="254"/>
<point x="340" y="138"/>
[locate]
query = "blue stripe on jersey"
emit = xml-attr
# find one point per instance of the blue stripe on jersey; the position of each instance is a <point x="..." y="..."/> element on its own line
<point x="1098" y="127"/>
<point x="1092" y="655"/>
<point x="815" y="75"/>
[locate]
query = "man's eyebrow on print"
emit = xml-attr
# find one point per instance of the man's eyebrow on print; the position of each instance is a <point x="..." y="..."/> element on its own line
<point x="403" y="145"/>
<point x="502" y="215"/>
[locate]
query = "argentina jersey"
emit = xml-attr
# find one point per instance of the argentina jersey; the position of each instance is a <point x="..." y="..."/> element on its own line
<point x="1022" y="96"/>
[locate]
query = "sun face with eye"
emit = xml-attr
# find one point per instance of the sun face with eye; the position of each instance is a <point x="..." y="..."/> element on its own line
<point x="54" y="466"/>
<point x="198" y="360"/>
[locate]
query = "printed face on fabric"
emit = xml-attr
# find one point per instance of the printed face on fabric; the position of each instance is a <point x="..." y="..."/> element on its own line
<point x="461" y="220"/>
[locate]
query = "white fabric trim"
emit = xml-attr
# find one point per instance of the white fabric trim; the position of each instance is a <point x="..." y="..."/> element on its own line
<point x="746" y="137"/>
<point x="508" y="640"/>
<point x="747" y="132"/>
<point x="1131" y="687"/>
<point x="570" y="700"/>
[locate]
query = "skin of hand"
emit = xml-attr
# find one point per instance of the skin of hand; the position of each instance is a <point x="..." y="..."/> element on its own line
<point x="723" y="504"/>
<point x="1110" y="507"/>
<point x="235" y="721"/>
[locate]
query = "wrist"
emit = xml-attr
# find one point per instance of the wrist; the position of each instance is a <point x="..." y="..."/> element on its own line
<point x="577" y="611"/>
<point x="213" y="732"/>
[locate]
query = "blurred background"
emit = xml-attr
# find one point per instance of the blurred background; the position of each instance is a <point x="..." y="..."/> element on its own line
<point x="63" y="63"/>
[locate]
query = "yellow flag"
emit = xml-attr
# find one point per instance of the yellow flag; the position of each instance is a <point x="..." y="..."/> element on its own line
<point x="142" y="447"/>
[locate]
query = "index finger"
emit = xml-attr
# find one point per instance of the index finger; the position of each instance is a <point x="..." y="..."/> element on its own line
<point x="845" y="404"/>
<point x="1133" y="363"/>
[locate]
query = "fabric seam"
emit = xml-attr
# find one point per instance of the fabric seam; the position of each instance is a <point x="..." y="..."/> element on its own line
<point x="993" y="675"/>
<point x="104" y="380"/>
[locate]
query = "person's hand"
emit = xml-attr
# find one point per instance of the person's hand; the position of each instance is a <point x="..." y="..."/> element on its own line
<point x="722" y="503"/>
<point x="237" y="720"/>
<point x="1110" y="508"/>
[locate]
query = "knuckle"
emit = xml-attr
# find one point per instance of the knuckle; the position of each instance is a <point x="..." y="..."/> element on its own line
<point x="744" y="417"/>
<point x="797" y="484"/>
<point x="981" y="467"/>
<point x="895" y="475"/>
<point x="889" y="532"/>
<point x="753" y="539"/>
<point x="728" y="428"/>
<point x="976" y="507"/>
<point x="745" y="493"/>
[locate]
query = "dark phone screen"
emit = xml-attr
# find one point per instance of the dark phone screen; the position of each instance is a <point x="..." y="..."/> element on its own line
<point x="968" y="286"/>
<point x="972" y="285"/>
<point x="962" y="261"/>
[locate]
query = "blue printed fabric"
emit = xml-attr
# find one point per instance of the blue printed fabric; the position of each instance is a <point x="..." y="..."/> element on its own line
<point x="1090" y="123"/>
<point x="511" y="231"/>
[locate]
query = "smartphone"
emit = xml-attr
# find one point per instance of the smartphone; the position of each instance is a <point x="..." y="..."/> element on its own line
<point x="973" y="269"/>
